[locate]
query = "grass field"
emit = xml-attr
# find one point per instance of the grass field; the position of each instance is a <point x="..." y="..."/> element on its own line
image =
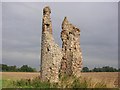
<point x="110" y="78"/>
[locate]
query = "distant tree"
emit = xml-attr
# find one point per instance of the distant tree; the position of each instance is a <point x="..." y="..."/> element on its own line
<point x="0" y="67"/>
<point x="5" y="67"/>
<point x="90" y="70"/>
<point x="105" y="69"/>
<point x="12" y="68"/>
<point x="26" y="68"/>
<point x="109" y="69"/>
<point x="95" y="70"/>
<point x="119" y="70"/>
<point x="102" y="69"/>
<point x="85" y="69"/>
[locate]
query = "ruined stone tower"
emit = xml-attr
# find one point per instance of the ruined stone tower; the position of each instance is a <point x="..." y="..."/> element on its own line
<point x="54" y="60"/>
<point x="72" y="57"/>
<point x="51" y="54"/>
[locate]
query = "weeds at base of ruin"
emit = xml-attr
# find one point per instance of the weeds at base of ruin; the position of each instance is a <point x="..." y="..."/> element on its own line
<point x="64" y="82"/>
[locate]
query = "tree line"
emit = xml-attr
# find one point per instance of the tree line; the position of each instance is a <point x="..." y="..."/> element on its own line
<point x="102" y="69"/>
<point x="24" y="68"/>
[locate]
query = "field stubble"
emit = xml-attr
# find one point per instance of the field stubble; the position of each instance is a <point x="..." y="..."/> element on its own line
<point x="109" y="78"/>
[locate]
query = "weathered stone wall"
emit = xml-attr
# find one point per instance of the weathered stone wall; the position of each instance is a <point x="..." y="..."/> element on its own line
<point x="51" y="54"/>
<point x="72" y="57"/>
<point x="54" y="60"/>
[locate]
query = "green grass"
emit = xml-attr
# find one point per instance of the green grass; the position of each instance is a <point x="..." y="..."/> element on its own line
<point x="24" y="83"/>
<point x="0" y="84"/>
<point x="65" y="82"/>
<point x="73" y="82"/>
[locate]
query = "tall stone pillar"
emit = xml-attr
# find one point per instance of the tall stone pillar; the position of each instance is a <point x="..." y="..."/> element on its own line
<point x="51" y="54"/>
<point x="72" y="56"/>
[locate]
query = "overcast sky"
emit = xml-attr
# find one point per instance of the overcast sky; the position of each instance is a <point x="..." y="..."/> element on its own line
<point x="22" y="27"/>
<point x="1" y="32"/>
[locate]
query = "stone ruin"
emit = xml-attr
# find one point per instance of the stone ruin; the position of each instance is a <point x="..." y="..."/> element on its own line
<point x="56" y="61"/>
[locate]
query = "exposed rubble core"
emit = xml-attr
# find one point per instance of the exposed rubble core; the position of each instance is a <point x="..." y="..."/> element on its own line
<point x="55" y="60"/>
<point x="51" y="54"/>
<point x="72" y="57"/>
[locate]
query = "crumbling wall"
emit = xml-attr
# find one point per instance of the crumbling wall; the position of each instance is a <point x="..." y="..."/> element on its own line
<point x="54" y="60"/>
<point x="72" y="57"/>
<point x="51" y="54"/>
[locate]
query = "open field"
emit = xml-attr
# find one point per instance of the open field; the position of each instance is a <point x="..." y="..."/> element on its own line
<point x="19" y="75"/>
<point x="110" y="78"/>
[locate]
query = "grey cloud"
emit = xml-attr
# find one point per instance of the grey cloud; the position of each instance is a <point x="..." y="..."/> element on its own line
<point x="22" y="28"/>
<point x="1" y="33"/>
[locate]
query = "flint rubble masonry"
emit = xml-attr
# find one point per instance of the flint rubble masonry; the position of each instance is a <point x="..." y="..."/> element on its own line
<point x="72" y="57"/>
<point x="51" y="54"/>
<point x="54" y="60"/>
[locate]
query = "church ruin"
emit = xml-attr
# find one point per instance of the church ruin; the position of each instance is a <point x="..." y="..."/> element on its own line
<point x="56" y="61"/>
